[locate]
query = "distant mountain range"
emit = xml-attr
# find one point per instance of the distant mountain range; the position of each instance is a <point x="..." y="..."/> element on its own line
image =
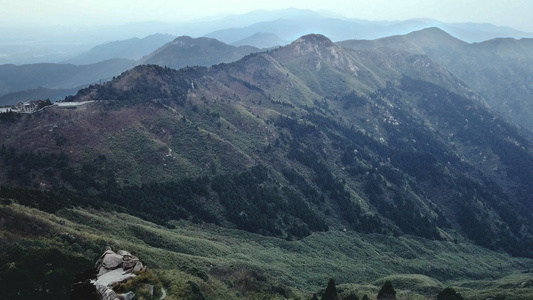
<point x="499" y="69"/>
<point x="344" y="29"/>
<point x="316" y="160"/>
<point x="55" y="45"/>
<point x="133" y="49"/>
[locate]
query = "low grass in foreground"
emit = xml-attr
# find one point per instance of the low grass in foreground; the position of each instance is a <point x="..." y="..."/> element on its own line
<point x="209" y="262"/>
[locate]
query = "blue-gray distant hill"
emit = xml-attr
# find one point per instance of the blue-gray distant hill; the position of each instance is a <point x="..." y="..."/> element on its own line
<point x="133" y="48"/>
<point x="338" y="28"/>
<point x="24" y="46"/>
<point x="500" y="69"/>
<point x="187" y="51"/>
<point x="39" y="93"/>
<point x="261" y="40"/>
<point x="15" y="78"/>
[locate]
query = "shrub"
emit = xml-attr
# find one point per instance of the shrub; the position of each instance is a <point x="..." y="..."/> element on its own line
<point x="449" y="294"/>
<point x="387" y="291"/>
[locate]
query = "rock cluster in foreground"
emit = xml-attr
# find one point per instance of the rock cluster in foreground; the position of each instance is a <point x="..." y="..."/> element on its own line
<point x="115" y="268"/>
<point x="111" y="268"/>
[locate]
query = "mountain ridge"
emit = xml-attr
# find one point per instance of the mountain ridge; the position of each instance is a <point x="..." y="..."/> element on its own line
<point x="187" y="51"/>
<point x="287" y="95"/>
<point x="17" y="46"/>
<point x="292" y="151"/>
<point x="481" y="65"/>
<point x="343" y="29"/>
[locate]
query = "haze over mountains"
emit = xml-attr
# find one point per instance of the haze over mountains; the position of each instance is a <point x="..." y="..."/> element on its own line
<point x="488" y="67"/>
<point x="132" y="49"/>
<point x="257" y="29"/>
<point x="23" y="46"/>
<point x="243" y="172"/>
<point x="40" y="79"/>
<point x="305" y="140"/>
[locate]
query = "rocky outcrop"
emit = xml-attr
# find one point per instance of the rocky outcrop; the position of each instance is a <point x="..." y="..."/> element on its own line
<point x="110" y="269"/>
<point x="113" y="268"/>
<point x="110" y="261"/>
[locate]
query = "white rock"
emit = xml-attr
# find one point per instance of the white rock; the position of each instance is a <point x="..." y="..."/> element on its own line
<point x="114" y="276"/>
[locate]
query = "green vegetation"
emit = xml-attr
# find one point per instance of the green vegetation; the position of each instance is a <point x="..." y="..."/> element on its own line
<point x="314" y="172"/>
<point x="265" y="178"/>
<point x="193" y="260"/>
<point x="141" y="285"/>
<point x="45" y="273"/>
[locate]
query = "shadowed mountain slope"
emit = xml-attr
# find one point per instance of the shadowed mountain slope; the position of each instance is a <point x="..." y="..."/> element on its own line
<point x="58" y="76"/>
<point x="499" y="70"/>
<point x="301" y="139"/>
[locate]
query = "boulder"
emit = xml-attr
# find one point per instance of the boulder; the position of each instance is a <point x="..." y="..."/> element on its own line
<point x="127" y="296"/>
<point x="129" y="264"/>
<point x="121" y="259"/>
<point x="99" y="261"/>
<point x="139" y="267"/>
<point x="105" y="292"/>
<point x="112" y="261"/>
<point x="123" y="253"/>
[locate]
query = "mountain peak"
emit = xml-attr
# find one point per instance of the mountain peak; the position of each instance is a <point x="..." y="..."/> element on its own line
<point x="316" y="39"/>
<point x="187" y="51"/>
<point x="433" y="36"/>
<point x="312" y="43"/>
<point x="187" y="41"/>
<point x="318" y="51"/>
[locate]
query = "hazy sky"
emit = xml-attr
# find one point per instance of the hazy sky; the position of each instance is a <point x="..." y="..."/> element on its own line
<point x="512" y="13"/>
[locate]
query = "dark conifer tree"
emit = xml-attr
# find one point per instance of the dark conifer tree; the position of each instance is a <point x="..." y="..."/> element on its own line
<point x="449" y="294"/>
<point x="387" y="291"/>
<point x="331" y="291"/>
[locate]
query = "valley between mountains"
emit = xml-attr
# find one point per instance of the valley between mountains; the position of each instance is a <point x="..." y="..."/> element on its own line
<point x="265" y="177"/>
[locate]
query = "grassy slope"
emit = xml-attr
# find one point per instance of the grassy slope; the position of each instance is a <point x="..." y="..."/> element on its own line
<point x="239" y="264"/>
<point x="235" y="261"/>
